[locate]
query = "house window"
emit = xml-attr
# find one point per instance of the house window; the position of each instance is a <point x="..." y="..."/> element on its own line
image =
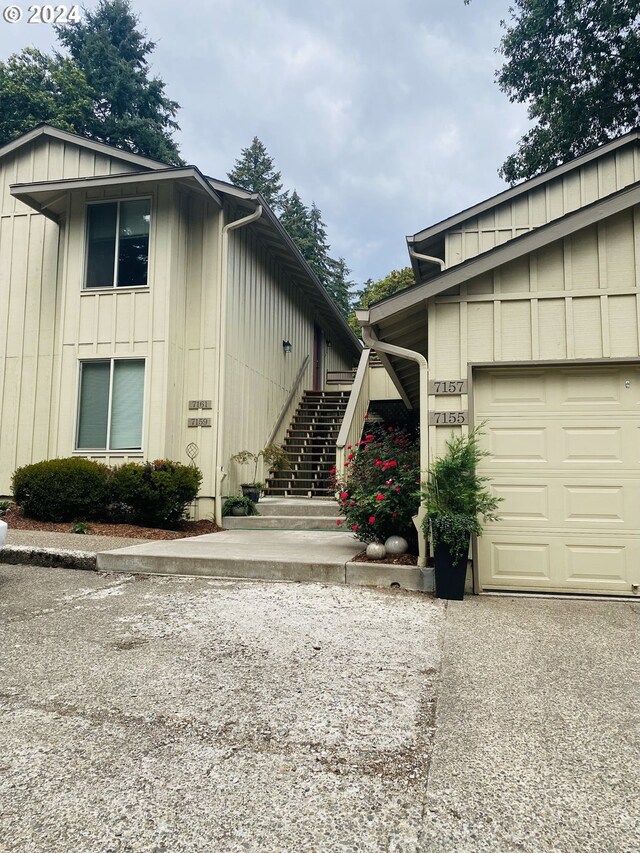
<point x="111" y="404"/>
<point x="118" y="243"/>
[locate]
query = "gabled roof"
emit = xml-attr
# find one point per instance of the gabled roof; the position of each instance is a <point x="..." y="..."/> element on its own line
<point x="510" y="251"/>
<point x="524" y="187"/>
<point x="46" y="130"/>
<point x="46" y="196"/>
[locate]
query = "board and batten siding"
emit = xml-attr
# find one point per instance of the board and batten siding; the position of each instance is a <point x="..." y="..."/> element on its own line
<point x="264" y="308"/>
<point x="578" y="298"/>
<point x="32" y="265"/>
<point x="551" y="200"/>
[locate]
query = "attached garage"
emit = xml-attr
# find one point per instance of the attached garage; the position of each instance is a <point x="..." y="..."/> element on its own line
<point x="564" y="445"/>
<point x="525" y="316"/>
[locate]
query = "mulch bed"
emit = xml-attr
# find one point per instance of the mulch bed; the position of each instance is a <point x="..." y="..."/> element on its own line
<point x="17" y="521"/>
<point x="396" y="560"/>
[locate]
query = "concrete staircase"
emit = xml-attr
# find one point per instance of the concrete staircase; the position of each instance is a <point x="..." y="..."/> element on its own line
<point x="310" y="444"/>
<point x="288" y="514"/>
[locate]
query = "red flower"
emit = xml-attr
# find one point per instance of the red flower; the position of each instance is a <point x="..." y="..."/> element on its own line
<point x="344" y="496"/>
<point x="332" y="471"/>
<point x="397" y="488"/>
<point x="369" y="437"/>
<point x="350" y="457"/>
<point x="338" y="521"/>
<point x="388" y="482"/>
<point x="390" y="429"/>
<point x="354" y="526"/>
<point x="372" y="519"/>
<point x="379" y="497"/>
<point x="378" y="463"/>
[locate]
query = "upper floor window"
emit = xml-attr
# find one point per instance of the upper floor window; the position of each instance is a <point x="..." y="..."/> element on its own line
<point x="118" y="243"/>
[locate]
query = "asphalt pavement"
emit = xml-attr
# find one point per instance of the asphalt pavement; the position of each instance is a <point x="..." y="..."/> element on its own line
<point x="184" y="715"/>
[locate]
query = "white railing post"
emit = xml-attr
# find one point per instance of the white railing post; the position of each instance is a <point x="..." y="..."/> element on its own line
<point x="357" y="407"/>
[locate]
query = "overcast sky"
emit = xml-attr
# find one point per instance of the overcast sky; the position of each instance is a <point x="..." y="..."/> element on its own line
<point x="386" y="114"/>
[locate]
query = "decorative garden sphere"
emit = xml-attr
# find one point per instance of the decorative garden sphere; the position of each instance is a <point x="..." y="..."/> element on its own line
<point x="396" y="545"/>
<point x="376" y="550"/>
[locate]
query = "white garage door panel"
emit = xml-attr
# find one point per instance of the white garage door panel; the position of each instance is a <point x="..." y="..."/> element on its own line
<point x="557" y="563"/>
<point x="569" y="503"/>
<point x="564" y="447"/>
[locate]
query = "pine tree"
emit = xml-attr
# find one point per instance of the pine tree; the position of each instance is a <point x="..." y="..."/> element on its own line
<point x="254" y="171"/>
<point x="130" y="109"/>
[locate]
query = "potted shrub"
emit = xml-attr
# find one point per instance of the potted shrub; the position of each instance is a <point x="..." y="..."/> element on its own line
<point x="239" y="505"/>
<point x="274" y="458"/>
<point x="457" y="501"/>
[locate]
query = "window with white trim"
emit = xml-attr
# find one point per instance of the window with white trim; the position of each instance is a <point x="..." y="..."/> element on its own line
<point x="118" y="243"/>
<point x="111" y="404"/>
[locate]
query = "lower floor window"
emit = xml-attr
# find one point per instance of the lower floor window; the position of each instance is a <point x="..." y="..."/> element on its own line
<point x="111" y="404"/>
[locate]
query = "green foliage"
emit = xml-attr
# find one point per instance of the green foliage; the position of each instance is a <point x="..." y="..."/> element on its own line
<point x="274" y="458"/>
<point x="254" y="171"/>
<point x="456" y="495"/>
<point x="158" y="493"/>
<point x="378" y="491"/>
<point x="239" y="500"/>
<point x="374" y="291"/>
<point x="35" y="88"/>
<point x="129" y="109"/>
<point x="4" y="506"/>
<point x="576" y="64"/>
<point x="80" y="527"/>
<point x="61" y="489"/>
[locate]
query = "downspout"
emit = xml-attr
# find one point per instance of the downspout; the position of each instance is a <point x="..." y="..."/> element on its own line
<point x="222" y="354"/>
<point x="370" y="339"/>
<point x="428" y="258"/>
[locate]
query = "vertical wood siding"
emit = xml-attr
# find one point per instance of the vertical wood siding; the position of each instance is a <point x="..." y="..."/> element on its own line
<point x="556" y="198"/>
<point x="577" y="298"/>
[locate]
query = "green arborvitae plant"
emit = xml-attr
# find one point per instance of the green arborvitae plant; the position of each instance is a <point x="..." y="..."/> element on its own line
<point x="457" y="497"/>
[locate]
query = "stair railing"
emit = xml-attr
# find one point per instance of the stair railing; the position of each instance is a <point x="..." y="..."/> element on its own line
<point x="354" y="416"/>
<point x="291" y="398"/>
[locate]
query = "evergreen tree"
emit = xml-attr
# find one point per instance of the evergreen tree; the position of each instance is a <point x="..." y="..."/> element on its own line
<point x="339" y="285"/>
<point x="254" y="171"/>
<point x="576" y="63"/>
<point x="130" y="109"/>
<point x="36" y="88"/>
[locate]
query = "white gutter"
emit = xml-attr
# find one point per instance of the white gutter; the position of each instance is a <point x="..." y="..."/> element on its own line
<point x="370" y="339"/>
<point x="429" y="258"/>
<point x="222" y="354"/>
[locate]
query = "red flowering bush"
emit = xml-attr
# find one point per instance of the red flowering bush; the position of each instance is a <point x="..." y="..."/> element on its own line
<point x="379" y="490"/>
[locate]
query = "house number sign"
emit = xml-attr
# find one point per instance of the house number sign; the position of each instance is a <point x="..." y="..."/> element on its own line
<point x="448" y="418"/>
<point x="199" y="404"/>
<point x="199" y="422"/>
<point x="441" y="387"/>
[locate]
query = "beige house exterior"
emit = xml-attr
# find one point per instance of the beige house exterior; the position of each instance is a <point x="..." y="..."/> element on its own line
<point x="526" y="317"/>
<point x="143" y="309"/>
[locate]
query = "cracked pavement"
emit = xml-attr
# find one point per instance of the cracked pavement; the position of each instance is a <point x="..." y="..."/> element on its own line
<point x="183" y="715"/>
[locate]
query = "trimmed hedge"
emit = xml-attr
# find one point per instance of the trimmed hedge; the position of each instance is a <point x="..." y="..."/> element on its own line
<point x="153" y="494"/>
<point x="62" y="489"/>
<point x="157" y="493"/>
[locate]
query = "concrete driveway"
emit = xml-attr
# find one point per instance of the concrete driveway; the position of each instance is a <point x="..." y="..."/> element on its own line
<point x="164" y="715"/>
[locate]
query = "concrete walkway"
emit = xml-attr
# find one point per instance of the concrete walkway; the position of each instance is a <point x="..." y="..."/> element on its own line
<point x="189" y="715"/>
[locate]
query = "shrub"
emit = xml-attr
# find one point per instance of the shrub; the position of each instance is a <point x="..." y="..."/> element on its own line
<point x="378" y="491"/>
<point x="61" y="489"/>
<point x="157" y="493"/>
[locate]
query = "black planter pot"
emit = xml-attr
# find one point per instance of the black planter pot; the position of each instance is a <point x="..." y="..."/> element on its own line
<point x="450" y="574"/>
<point x="249" y="490"/>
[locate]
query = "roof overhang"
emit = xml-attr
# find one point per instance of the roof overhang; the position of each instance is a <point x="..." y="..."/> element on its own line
<point x="49" y="197"/>
<point x="401" y="319"/>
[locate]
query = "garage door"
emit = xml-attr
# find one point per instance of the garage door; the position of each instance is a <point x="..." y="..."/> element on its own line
<point x="564" y="448"/>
